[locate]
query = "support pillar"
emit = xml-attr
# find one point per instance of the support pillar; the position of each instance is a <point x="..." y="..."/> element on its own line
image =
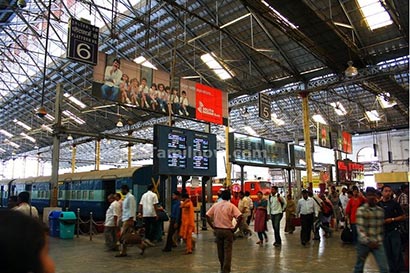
<point x="227" y="162"/>
<point x="97" y="154"/>
<point x="306" y="135"/>
<point x="73" y="156"/>
<point x="56" y="148"/>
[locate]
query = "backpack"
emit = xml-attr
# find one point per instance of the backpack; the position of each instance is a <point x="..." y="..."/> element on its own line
<point x="326" y="209"/>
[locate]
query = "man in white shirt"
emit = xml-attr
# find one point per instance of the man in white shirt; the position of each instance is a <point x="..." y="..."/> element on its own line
<point x="23" y="206"/>
<point x="244" y="208"/>
<point x="111" y="223"/>
<point x="129" y="210"/>
<point x="112" y="80"/>
<point x="148" y="210"/>
<point x="344" y="198"/>
<point x="306" y="210"/>
<point x="276" y="206"/>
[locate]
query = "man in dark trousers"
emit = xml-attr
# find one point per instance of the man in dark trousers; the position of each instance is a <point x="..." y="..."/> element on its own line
<point x="175" y="220"/>
<point x="306" y="210"/>
<point x="220" y="217"/>
<point x="393" y="215"/>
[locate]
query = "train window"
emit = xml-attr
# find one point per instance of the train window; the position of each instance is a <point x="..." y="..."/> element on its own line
<point x="85" y="193"/>
<point x="40" y="194"/>
<point x="91" y="195"/>
<point x="47" y="194"/>
<point x="252" y="186"/>
<point x="78" y="195"/>
<point x="60" y="194"/>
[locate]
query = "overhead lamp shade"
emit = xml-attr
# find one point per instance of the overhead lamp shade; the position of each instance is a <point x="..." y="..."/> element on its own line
<point x="119" y="123"/>
<point x="351" y="71"/>
<point x="69" y="137"/>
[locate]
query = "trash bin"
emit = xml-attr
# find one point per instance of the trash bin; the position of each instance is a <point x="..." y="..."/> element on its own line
<point x="54" y="223"/>
<point x="67" y="224"/>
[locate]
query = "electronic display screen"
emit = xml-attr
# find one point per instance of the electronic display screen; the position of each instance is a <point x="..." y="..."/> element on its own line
<point x="297" y="156"/>
<point x="180" y="151"/>
<point x="276" y="153"/>
<point x="246" y="149"/>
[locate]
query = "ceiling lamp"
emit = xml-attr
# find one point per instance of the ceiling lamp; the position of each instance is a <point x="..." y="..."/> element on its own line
<point x="351" y="71"/>
<point x="319" y="118"/>
<point x="69" y="137"/>
<point x="119" y="123"/>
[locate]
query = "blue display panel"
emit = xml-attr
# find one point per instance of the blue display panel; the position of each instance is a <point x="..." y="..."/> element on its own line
<point x="180" y="151"/>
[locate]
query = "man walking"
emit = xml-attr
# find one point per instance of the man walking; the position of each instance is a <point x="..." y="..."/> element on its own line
<point x="148" y="211"/>
<point x="393" y="215"/>
<point x="369" y="224"/>
<point x="220" y="217"/>
<point x="276" y="206"/>
<point x="129" y="209"/>
<point x="174" y="222"/>
<point x="306" y="210"/>
<point x="111" y="223"/>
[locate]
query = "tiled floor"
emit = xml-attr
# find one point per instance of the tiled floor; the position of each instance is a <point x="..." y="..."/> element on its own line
<point x="328" y="255"/>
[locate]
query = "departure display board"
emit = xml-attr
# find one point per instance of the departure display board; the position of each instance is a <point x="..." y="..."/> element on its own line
<point x="246" y="149"/>
<point x="257" y="151"/>
<point x="176" y="150"/>
<point x="200" y="148"/>
<point x="180" y="151"/>
<point x="276" y="153"/>
<point x="297" y="156"/>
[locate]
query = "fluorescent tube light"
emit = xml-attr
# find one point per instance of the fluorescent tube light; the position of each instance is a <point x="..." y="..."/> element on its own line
<point x="319" y="118"/>
<point x="4" y="132"/>
<point x="75" y="101"/>
<point x="11" y="143"/>
<point x="250" y="131"/>
<point x="144" y="62"/>
<point x="73" y="117"/>
<point x="28" y="137"/>
<point x="22" y="124"/>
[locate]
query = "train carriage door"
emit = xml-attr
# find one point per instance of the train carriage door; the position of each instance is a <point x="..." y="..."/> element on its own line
<point x="108" y="187"/>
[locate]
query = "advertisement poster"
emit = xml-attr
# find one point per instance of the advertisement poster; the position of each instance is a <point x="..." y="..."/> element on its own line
<point x="208" y="104"/>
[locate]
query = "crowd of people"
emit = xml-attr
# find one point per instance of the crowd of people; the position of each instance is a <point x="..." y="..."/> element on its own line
<point x="378" y="221"/>
<point x="119" y="87"/>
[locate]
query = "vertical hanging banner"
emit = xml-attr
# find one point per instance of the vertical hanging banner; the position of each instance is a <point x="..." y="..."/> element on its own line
<point x="264" y="106"/>
<point x="323" y="136"/>
<point x="347" y="142"/>
<point x="208" y="104"/>
<point x="82" y="42"/>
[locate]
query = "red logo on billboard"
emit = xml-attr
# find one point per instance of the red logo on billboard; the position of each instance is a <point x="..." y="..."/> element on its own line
<point x="208" y="104"/>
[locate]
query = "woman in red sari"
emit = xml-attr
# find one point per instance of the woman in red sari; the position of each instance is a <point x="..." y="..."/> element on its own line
<point x="261" y="218"/>
<point x="187" y="222"/>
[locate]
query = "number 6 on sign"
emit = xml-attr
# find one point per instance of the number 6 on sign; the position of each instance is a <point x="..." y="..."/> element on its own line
<point x="83" y="51"/>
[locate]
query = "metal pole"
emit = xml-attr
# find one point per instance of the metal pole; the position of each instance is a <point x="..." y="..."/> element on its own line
<point x="78" y="222"/>
<point x="203" y="206"/>
<point x="91" y="226"/>
<point x="97" y="154"/>
<point x="242" y="176"/>
<point x="306" y="135"/>
<point x="56" y="149"/>
<point x="73" y="155"/>
<point x="227" y="162"/>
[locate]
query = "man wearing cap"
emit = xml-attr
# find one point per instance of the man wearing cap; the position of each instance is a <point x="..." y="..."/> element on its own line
<point x="174" y="222"/>
<point x="306" y="211"/>
<point x="369" y="224"/>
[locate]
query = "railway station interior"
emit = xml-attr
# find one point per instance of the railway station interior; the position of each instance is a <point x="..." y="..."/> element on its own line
<point x="197" y="96"/>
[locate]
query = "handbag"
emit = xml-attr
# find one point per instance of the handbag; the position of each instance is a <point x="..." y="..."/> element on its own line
<point x="162" y="215"/>
<point x="347" y="235"/>
<point x="296" y="222"/>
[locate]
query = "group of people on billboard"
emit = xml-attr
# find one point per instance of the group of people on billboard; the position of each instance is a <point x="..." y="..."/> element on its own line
<point x="119" y="87"/>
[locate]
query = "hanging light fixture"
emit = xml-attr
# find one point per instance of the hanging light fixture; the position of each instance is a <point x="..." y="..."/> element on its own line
<point x="69" y="137"/>
<point x="41" y="111"/>
<point x="351" y="71"/>
<point x="119" y="123"/>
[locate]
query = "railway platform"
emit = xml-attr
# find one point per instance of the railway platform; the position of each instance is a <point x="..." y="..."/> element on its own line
<point x="80" y="255"/>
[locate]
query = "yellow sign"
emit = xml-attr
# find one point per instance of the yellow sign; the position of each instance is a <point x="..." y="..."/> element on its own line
<point x="315" y="181"/>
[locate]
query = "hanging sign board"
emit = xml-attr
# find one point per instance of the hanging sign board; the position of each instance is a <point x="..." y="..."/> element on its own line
<point x="264" y="106"/>
<point x="82" y="42"/>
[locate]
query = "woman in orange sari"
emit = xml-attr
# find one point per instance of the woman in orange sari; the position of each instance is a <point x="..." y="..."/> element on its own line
<point x="187" y="222"/>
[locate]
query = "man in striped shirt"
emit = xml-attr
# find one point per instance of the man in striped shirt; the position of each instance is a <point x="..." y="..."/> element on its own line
<point x="369" y="224"/>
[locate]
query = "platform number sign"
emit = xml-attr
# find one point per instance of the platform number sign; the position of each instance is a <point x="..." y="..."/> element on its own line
<point x="82" y="42"/>
<point x="264" y="106"/>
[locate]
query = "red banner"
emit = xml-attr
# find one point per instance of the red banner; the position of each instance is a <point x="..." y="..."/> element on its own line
<point x="347" y="142"/>
<point x="208" y="104"/>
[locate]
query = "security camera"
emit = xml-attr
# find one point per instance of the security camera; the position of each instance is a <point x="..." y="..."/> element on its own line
<point x="41" y="112"/>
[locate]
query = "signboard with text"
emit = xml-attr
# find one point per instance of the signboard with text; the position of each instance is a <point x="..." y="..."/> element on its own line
<point x="82" y="42"/>
<point x="208" y="104"/>
<point x="264" y="106"/>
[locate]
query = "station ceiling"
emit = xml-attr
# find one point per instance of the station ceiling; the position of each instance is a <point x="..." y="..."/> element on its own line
<point x="276" y="47"/>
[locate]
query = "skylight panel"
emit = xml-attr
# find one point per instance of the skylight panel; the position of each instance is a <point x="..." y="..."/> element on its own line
<point x="339" y="108"/>
<point x="372" y="115"/>
<point x="374" y="14"/>
<point x="210" y="60"/>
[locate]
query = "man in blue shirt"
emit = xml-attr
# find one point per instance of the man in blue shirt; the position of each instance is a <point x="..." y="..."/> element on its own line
<point x="175" y="220"/>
